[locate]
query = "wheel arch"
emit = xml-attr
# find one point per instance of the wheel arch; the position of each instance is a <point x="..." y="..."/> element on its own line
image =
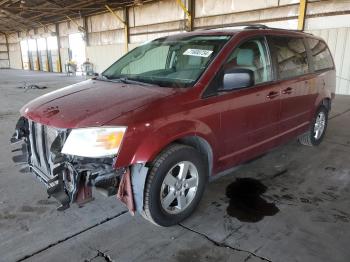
<point x="146" y="148"/>
<point x="327" y="102"/>
<point x="202" y="146"/>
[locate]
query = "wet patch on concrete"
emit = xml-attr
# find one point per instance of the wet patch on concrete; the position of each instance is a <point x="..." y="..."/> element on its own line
<point x="19" y="159"/>
<point x="197" y="254"/>
<point x="287" y="197"/>
<point x="216" y="204"/>
<point x="24" y="227"/>
<point x="24" y="170"/>
<point x="330" y="168"/>
<point x="31" y="209"/>
<point x="307" y="198"/>
<point x="46" y="202"/>
<point x="9" y="114"/>
<point x="246" y="202"/>
<point x="341" y="218"/>
<point x="7" y="215"/>
<point x="280" y="173"/>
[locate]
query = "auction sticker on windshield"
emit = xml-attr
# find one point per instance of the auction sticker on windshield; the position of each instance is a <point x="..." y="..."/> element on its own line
<point x="198" y="52"/>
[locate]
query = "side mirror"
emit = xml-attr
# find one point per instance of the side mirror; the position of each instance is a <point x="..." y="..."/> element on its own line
<point x="237" y="78"/>
<point x="95" y="76"/>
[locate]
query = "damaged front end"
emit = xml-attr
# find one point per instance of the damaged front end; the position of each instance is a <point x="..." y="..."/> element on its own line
<point x="69" y="178"/>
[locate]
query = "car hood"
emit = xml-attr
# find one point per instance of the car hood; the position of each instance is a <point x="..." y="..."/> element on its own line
<point x="91" y="103"/>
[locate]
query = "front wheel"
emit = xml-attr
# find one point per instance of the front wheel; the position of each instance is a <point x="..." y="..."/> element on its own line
<point x="174" y="185"/>
<point x="317" y="130"/>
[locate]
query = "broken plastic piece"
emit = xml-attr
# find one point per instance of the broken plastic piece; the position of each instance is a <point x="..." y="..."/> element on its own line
<point x="58" y="193"/>
<point x="138" y="178"/>
<point x="84" y="194"/>
<point x="125" y="193"/>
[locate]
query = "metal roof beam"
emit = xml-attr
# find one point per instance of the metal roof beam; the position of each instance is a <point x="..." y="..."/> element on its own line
<point x="14" y="15"/>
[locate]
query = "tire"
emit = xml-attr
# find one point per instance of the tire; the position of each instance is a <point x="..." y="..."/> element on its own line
<point x="311" y="138"/>
<point x="160" y="187"/>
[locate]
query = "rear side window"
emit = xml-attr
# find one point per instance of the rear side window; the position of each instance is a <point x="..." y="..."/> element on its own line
<point x="321" y="55"/>
<point x="291" y="56"/>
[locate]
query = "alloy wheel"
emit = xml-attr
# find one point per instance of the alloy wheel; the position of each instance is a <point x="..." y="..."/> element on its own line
<point x="320" y="125"/>
<point x="179" y="187"/>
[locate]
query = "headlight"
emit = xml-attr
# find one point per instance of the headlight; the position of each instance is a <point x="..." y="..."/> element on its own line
<point x="94" y="141"/>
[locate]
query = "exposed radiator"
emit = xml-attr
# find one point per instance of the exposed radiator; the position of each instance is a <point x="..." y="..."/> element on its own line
<point x="40" y="139"/>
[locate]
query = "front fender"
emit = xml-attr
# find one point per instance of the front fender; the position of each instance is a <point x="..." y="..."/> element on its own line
<point x="143" y="147"/>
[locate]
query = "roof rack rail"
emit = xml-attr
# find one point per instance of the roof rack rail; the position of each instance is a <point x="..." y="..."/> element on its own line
<point x="244" y="25"/>
<point x="293" y="30"/>
<point x="255" y="26"/>
<point x="261" y="26"/>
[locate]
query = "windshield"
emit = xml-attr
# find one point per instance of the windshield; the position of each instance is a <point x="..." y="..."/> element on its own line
<point x="168" y="62"/>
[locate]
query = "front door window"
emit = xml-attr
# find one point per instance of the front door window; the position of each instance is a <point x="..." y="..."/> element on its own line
<point x="252" y="55"/>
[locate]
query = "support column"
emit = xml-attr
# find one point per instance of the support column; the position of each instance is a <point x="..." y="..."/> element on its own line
<point x="85" y="24"/>
<point x="125" y="22"/>
<point x="126" y="29"/>
<point x="8" y="49"/>
<point x="30" y="57"/>
<point x="192" y="10"/>
<point x="302" y="13"/>
<point x="59" y="67"/>
<point x="189" y="19"/>
<point x="38" y="56"/>
<point x="20" y="49"/>
<point x="47" y="57"/>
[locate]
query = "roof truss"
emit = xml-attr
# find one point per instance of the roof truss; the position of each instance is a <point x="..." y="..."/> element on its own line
<point x="23" y="15"/>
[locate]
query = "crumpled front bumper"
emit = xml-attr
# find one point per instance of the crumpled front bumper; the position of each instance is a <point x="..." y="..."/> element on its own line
<point x="69" y="179"/>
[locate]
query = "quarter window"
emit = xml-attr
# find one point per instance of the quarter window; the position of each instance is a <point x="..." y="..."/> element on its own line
<point x="291" y="57"/>
<point x="321" y="55"/>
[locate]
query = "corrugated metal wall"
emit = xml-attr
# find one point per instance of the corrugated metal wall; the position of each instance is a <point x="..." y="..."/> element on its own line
<point x="4" y="54"/>
<point x="338" y="40"/>
<point x="14" y="51"/>
<point x="335" y="30"/>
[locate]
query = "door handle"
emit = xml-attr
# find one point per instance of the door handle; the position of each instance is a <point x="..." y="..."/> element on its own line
<point x="272" y="94"/>
<point x="288" y="90"/>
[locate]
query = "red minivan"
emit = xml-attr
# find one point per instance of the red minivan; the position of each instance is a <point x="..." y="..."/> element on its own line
<point x="171" y="113"/>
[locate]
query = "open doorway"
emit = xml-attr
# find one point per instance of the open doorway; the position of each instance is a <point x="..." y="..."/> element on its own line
<point x="25" y="54"/>
<point x="77" y="49"/>
<point x="42" y="52"/>
<point x="53" y="55"/>
<point x="33" y="55"/>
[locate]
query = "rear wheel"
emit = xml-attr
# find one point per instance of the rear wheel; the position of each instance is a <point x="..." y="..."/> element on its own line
<point x="174" y="185"/>
<point x="317" y="130"/>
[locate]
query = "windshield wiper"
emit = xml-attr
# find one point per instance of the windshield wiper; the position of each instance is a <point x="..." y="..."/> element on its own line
<point x="132" y="81"/>
<point x="124" y="80"/>
<point x="102" y="78"/>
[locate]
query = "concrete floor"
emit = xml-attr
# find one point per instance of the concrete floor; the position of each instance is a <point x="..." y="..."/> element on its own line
<point x="300" y="211"/>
